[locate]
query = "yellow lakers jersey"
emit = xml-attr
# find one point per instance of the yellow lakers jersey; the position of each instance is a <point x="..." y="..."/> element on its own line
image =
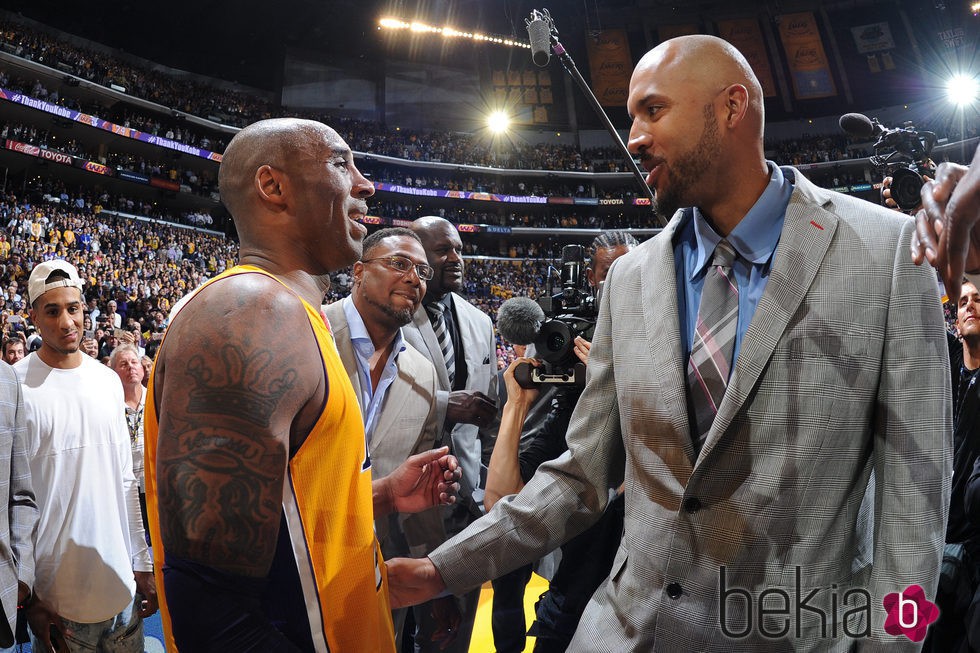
<point x="327" y="515"/>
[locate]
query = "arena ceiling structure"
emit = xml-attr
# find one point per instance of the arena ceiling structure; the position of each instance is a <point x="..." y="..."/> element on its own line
<point x="252" y="43"/>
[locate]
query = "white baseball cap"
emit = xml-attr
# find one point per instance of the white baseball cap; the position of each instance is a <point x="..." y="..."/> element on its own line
<point x="37" y="285"/>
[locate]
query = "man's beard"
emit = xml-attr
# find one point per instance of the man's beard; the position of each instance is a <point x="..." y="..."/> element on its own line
<point x="688" y="169"/>
<point x="399" y="317"/>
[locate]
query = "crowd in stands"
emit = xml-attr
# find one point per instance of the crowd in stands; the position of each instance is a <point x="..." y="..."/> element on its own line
<point x="200" y="181"/>
<point x="190" y="96"/>
<point x="507" y="185"/>
<point x="137" y="270"/>
<point x="539" y="216"/>
<point x="237" y="108"/>
<point x="142" y="267"/>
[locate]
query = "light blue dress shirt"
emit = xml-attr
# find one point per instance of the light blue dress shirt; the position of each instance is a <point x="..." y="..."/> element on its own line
<point x="754" y="238"/>
<point x="370" y="398"/>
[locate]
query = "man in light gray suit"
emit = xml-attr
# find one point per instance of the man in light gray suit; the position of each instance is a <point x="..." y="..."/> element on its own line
<point x="797" y="508"/>
<point x="18" y="518"/>
<point x="465" y="358"/>
<point x="394" y="383"/>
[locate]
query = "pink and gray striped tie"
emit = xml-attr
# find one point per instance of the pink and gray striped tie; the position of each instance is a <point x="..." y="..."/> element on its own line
<point x="714" y="341"/>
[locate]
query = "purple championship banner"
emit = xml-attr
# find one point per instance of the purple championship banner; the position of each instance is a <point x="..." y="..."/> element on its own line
<point x="95" y="121"/>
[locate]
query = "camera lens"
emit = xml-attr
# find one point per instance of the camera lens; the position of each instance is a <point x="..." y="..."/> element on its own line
<point x="556" y="342"/>
<point x="905" y="188"/>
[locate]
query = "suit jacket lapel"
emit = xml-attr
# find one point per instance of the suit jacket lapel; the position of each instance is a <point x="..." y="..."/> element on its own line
<point x="807" y="233"/>
<point x="661" y="317"/>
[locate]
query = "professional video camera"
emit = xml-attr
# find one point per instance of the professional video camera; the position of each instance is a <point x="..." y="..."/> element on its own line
<point x="552" y="323"/>
<point x="901" y="152"/>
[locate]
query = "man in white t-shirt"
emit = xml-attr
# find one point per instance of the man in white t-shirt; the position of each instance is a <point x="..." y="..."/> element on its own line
<point x="91" y="557"/>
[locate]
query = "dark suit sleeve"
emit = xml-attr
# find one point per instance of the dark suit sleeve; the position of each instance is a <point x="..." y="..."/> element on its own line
<point x="972" y="499"/>
<point x="549" y="441"/>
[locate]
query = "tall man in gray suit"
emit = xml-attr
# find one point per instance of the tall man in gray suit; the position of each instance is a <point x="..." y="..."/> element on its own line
<point x="458" y="338"/>
<point x="786" y="455"/>
<point x="18" y="508"/>
<point x="395" y="384"/>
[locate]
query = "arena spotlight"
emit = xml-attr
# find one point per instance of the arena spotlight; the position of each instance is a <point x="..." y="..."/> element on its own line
<point x="498" y="122"/>
<point x="962" y="90"/>
<point x="448" y="32"/>
<point x="975" y="8"/>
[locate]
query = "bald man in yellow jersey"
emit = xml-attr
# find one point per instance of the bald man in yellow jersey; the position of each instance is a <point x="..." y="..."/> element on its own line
<point x="258" y="481"/>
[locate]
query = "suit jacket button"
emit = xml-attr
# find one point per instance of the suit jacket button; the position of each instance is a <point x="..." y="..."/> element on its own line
<point x="674" y="590"/>
<point x="692" y="504"/>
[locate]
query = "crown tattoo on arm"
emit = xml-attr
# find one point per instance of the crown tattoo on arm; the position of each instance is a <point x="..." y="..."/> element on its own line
<point x="238" y="389"/>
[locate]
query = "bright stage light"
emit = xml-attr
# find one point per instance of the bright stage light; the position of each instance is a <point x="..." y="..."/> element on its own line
<point x="419" y="28"/>
<point x="498" y="122"/>
<point x="962" y="90"/>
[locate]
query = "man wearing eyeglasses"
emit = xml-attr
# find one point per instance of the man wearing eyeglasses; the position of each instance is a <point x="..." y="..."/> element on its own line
<point x="458" y="338"/>
<point x="395" y="384"/>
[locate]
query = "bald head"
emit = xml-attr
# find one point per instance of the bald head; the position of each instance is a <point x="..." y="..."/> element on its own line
<point x="429" y="223"/>
<point x="280" y="143"/>
<point x="295" y="195"/>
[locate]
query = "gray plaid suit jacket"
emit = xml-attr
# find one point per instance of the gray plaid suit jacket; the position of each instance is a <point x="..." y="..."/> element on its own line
<point x="18" y="515"/>
<point x="826" y="470"/>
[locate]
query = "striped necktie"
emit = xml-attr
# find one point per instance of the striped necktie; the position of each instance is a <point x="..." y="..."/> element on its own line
<point x="710" y="364"/>
<point x="436" y="312"/>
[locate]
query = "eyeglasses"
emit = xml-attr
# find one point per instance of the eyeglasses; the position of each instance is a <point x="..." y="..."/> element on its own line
<point x="402" y="265"/>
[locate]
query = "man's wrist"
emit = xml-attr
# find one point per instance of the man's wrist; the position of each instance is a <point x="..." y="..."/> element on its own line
<point x="29" y="601"/>
<point x="384" y="502"/>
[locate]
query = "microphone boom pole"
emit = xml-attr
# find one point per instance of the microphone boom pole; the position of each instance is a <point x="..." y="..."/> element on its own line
<point x="569" y="65"/>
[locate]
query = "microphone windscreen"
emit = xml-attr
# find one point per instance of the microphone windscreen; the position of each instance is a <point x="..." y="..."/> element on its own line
<point x="857" y="124"/>
<point x="519" y="319"/>
<point x="539" y="34"/>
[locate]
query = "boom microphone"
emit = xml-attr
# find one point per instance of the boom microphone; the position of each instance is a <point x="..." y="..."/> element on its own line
<point x="858" y="125"/>
<point x="519" y="319"/>
<point x="539" y="33"/>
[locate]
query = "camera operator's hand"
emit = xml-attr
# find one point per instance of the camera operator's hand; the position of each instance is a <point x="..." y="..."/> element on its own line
<point x="515" y="391"/>
<point x="582" y="349"/>
<point x="470" y="407"/>
<point x="947" y="232"/>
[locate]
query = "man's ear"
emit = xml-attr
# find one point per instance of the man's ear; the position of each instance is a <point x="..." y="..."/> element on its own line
<point x="736" y="104"/>
<point x="271" y="185"/>
<point x="357" y="272"/>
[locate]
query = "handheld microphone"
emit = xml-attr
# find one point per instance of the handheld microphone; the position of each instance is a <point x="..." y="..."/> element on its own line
<point x="859" y="125"/>
<point x="519" y="319"/>
<point x="539" y="34"/>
